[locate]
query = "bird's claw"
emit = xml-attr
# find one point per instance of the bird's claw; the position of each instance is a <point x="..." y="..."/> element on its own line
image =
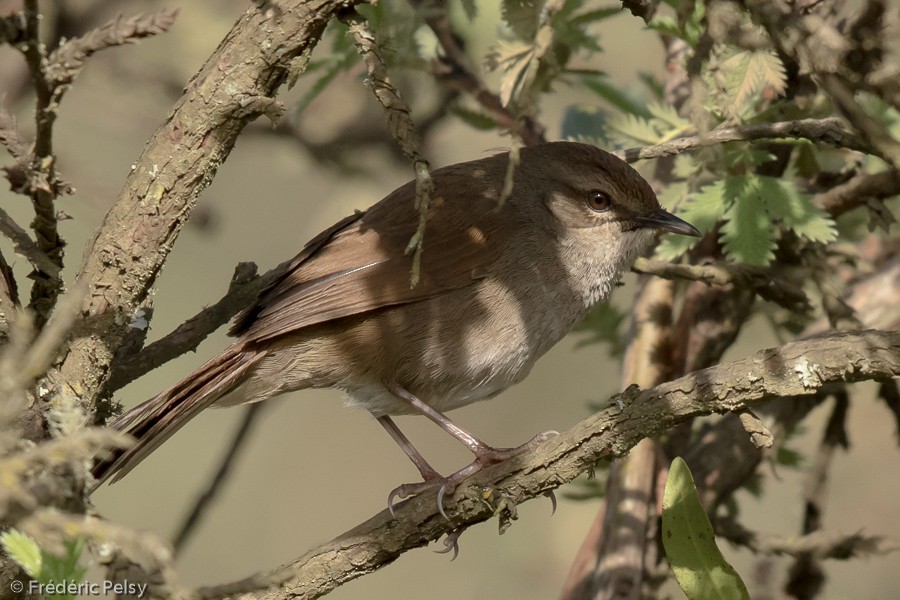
<point x="552" y="496"/>
<point x="451" y="542"/>
<point x="488" y="456"/>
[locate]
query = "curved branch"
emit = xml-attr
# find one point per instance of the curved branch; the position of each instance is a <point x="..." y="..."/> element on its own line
<point x="829" y="131"/>
<point x="795" y="369"/>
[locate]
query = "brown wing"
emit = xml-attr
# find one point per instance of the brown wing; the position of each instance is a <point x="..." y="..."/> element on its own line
<point x="361" y="265"/>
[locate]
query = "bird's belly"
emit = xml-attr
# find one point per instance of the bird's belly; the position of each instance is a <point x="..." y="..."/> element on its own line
<point x="443" y="385"/>
<point x="460" y="349"/>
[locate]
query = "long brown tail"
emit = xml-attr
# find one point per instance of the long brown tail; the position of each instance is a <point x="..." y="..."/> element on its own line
<point x="154" y="421"/>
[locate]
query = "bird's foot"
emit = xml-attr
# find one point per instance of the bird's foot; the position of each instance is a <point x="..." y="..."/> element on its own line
<point x="484" y="457"/>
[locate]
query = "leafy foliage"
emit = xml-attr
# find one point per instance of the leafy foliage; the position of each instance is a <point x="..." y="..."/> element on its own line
<point x="754" y="208"/>
<point x="43" y="566"/>
<point x="690" y="543"/>
<point x="738" y="78"/>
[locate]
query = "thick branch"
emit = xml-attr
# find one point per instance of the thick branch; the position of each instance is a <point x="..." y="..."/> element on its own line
<point x="829" y="131"/>
<point x="795" y="369"/>
<point x="858" y="190"/>
<point x="236" y="84"/>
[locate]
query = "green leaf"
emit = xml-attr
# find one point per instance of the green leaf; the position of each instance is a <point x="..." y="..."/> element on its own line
<point x="67" y="567"/>
<point x="674" y="195"/>
<point x="665" y="24"/>
<point x="796" y="211"/>
<point x="746" y="74"/>
<point x="748" y="235"/>
<point x="693" y="27"/>
<point x="522" y="16"/>
<point x="745" y="156"/>
<point x="23" y="550"/>
<point x="685" y="166"/>
<point x="584" y="123"/>
<point x="474" y="118"/>
<point x="628" y="130"/>
<point x="667" y="114"/>
<point x="702" y="210"/>
<point x="653" y="84"/>
<point x="334" y="66"/>
<point x="690" y="544"/>
<point x="616" y="97"/>
<point x="593" y="16"/>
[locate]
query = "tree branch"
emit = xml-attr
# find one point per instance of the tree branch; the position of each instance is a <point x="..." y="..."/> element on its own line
<point x="452" y="69"/>
<point x="761" y="280"/>
<point x="795" y="369"/>
<point x="859" y="189"/>
<point x="829" y="131"/>
<point x="244" y="287"/>
<point x="819" y="544"/>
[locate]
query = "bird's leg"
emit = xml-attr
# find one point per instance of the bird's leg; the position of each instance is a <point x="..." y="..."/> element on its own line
<point x="484" y="455"/>
<point x="431" y="478"/>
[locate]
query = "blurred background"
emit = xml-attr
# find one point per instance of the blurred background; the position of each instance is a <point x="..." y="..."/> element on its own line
<point x="313" y="469"/>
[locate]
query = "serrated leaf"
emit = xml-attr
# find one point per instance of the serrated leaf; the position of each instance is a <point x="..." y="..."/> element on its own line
<point x="748" y="235"/>
<point x="770" y="71"/>
<point x="522" y="16"/>
<point x="628" y="130"/>
<point x="685" y="166"/>
<point x="796" y="211"/>
<point x="667" y="114"/>
<point x="745" y="74"/>
<point x="23" y="550"/>
<point x="64" y="568"/>
<point x="690" y="544"/>
<point x="673" y="195"/>
<point x="702" y="210"/>
<point x="745" y="156"/>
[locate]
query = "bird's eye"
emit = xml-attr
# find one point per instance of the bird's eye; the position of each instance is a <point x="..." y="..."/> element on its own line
<point x="599" y="201"/>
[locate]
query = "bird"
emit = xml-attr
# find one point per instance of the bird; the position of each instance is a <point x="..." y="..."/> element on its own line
<point x="501" y="281"/>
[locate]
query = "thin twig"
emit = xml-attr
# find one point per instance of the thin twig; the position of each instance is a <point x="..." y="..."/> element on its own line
<point x="245" y="285"/>
<point x="806" y="575"/>
<point x="761" y="280"/>
<point x="25" y="246"/>
<point x="400" y="124"/>
<point x="818" y="544"/>
<point x="859" y="189"/>
<point x="42" y="171"/>
<point x="452" y="69"/>
<point x="879" y="138"/>
<point x="217" y="481"/>
<point x="839" y="357"/>
<point x="829" y="131"/>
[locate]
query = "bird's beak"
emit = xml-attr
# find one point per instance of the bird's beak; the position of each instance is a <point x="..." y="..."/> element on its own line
<point x="666" y="221"/>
